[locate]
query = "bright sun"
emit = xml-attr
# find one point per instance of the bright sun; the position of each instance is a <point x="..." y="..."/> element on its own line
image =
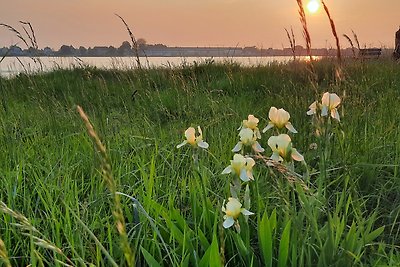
<point x="313" y="6"/>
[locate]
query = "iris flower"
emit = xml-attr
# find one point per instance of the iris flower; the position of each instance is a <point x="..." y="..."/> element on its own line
<point x="232" y="211"/>
<point x="242" y="167"/>
<point x="330" y="102"/>
<point x="282" y="149"/>
<point x="279" y="118"/>
<point x="251" y="123"/>
<point x="193" y="139"/>
<point x="248" y="138"/>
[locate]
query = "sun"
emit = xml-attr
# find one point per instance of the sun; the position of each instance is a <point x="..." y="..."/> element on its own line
<point x="313" y="6"/>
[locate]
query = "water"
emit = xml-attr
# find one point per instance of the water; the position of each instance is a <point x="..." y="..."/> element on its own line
<point x="11" y="66"/>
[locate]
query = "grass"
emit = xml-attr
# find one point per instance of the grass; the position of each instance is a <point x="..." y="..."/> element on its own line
<point x="50" y="171"/>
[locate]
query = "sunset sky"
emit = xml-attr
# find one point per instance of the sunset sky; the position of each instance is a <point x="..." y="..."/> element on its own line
<point x="198" y="22"/>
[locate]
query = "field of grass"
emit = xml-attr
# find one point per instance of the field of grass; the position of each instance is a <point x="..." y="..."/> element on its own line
<point x="58" y="207"/>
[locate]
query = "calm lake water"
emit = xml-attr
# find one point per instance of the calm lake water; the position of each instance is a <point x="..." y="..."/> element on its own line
<point x="11" y="66"/>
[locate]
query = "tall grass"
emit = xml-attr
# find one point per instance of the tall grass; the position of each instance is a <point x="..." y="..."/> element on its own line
<point x="51" y="174"/>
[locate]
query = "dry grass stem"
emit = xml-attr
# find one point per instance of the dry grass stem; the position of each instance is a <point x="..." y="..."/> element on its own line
<point x="306" y="33"/>
<point x="333" y="28"/>
<point x="338" y="71"/>
<point x="356" y="39"/>
<point x="351" y="43"/>
<point x="4" y="254"/>
<point x="29" y="230"/>
<point x="135" y="45"/>
<point x="292" y="42"/>
<point x="110" y="182"/>
<point x="291" y="176"/>
<point x="32" y="38"/>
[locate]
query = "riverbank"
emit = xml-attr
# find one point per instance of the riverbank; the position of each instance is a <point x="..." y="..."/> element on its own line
<point x="346" y="215"/>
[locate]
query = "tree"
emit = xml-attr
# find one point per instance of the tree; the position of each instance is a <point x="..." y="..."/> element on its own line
<point x="66" y="50"/>
<point x="142" y="43"/>
<point x="125" y="49"/>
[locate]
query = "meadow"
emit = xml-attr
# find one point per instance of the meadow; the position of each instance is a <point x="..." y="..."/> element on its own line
<point x="67" y="200"/>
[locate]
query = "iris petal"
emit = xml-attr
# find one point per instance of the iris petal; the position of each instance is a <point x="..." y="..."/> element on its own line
<point x="181" y="144"/>
<point x="229" y="221"/>
<point x="324" y="111"/>
<point x="243" y="175"/>
<point x="238" y="147"/>
<point x="227" y="170"/>
<point x="290" y="127"/>
<point x="257" y="147"/>
<point x="247" y="212"/>
<point x="202" y="144"/>
<point x="296" y="155"/>
<point x="335" y="114"/>
<point x="275" y="156"/>
<point x="269" y="126"/>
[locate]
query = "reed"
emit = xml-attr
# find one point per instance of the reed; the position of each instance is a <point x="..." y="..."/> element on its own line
<point x="292" y="42"/>
<point x="338" y="69"/>
<point x="110" y="182"/>
<point x="4" y="254"/>
<point x="135" y="45"/>
<point x="29" y="230"/>
<point x="306" y="33"/>
<point x="351" y="44"/>
<point x="333" y="29"/>
<point x="29" y="35"/>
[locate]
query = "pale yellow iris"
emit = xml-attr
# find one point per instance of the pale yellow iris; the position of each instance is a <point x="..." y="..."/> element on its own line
<point x="329" y="104"/>
<point x="282" y="149"/>
<point x="232" y="211"/>
<point x="242" y="167"/>
<point x="193" y="139"/>
<point x="279" y="118"/>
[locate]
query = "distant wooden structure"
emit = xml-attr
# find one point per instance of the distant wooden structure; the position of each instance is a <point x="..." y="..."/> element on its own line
<point x="368" y="53"/>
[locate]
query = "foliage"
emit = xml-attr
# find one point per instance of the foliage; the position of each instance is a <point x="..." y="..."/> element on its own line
<point x="346" y="215"/>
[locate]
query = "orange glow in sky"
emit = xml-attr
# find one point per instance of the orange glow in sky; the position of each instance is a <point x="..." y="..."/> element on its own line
<point x="240" y="23"/>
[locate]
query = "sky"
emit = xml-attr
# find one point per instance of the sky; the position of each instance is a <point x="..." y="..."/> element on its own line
<point x="226" y="23"/>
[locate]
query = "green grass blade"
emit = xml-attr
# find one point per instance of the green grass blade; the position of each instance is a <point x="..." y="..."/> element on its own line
<point x="149" y="258"/>
<point x="284" y="246"/>
<point x="265" y="239"/>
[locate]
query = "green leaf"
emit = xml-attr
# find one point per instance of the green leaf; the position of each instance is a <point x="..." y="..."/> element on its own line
<point x="284" y="246"/>
<point x="265" y="239"/>
<point x="243" y="249"/>
<point x="374" y="234"/>
<point x="149" y="258"/>
<point x="215" y="259"/>
<point x="203" y="239"/>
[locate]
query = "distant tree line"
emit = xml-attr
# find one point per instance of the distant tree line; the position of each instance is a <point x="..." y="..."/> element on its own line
<point x="125" y="49"/>
<point x="161" y="50"/>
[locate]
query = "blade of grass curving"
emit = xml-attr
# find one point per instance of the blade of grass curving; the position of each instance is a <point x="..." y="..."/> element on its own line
<point x="134" y="41"/>
<point x="5" y="55"/>
<point x="151" y="221"/>
<point x="110" y="183"/>
<point x="31" y="36"/>
<point x="19" y="35"/>
<point x="149" y="258"/>
<point x="356" y="39"/>
<point x="351" y="43"/>
<point x="93" y="236"/>
<point x="29" y="230"/>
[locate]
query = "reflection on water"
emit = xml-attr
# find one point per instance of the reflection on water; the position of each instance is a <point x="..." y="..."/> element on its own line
<point x="12" y="65"/>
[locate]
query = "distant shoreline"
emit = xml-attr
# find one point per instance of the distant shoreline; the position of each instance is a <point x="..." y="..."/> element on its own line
<point x="164" y="51"/>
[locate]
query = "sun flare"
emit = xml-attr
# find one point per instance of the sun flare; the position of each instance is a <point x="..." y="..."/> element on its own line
<point x="313" y="6"/>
